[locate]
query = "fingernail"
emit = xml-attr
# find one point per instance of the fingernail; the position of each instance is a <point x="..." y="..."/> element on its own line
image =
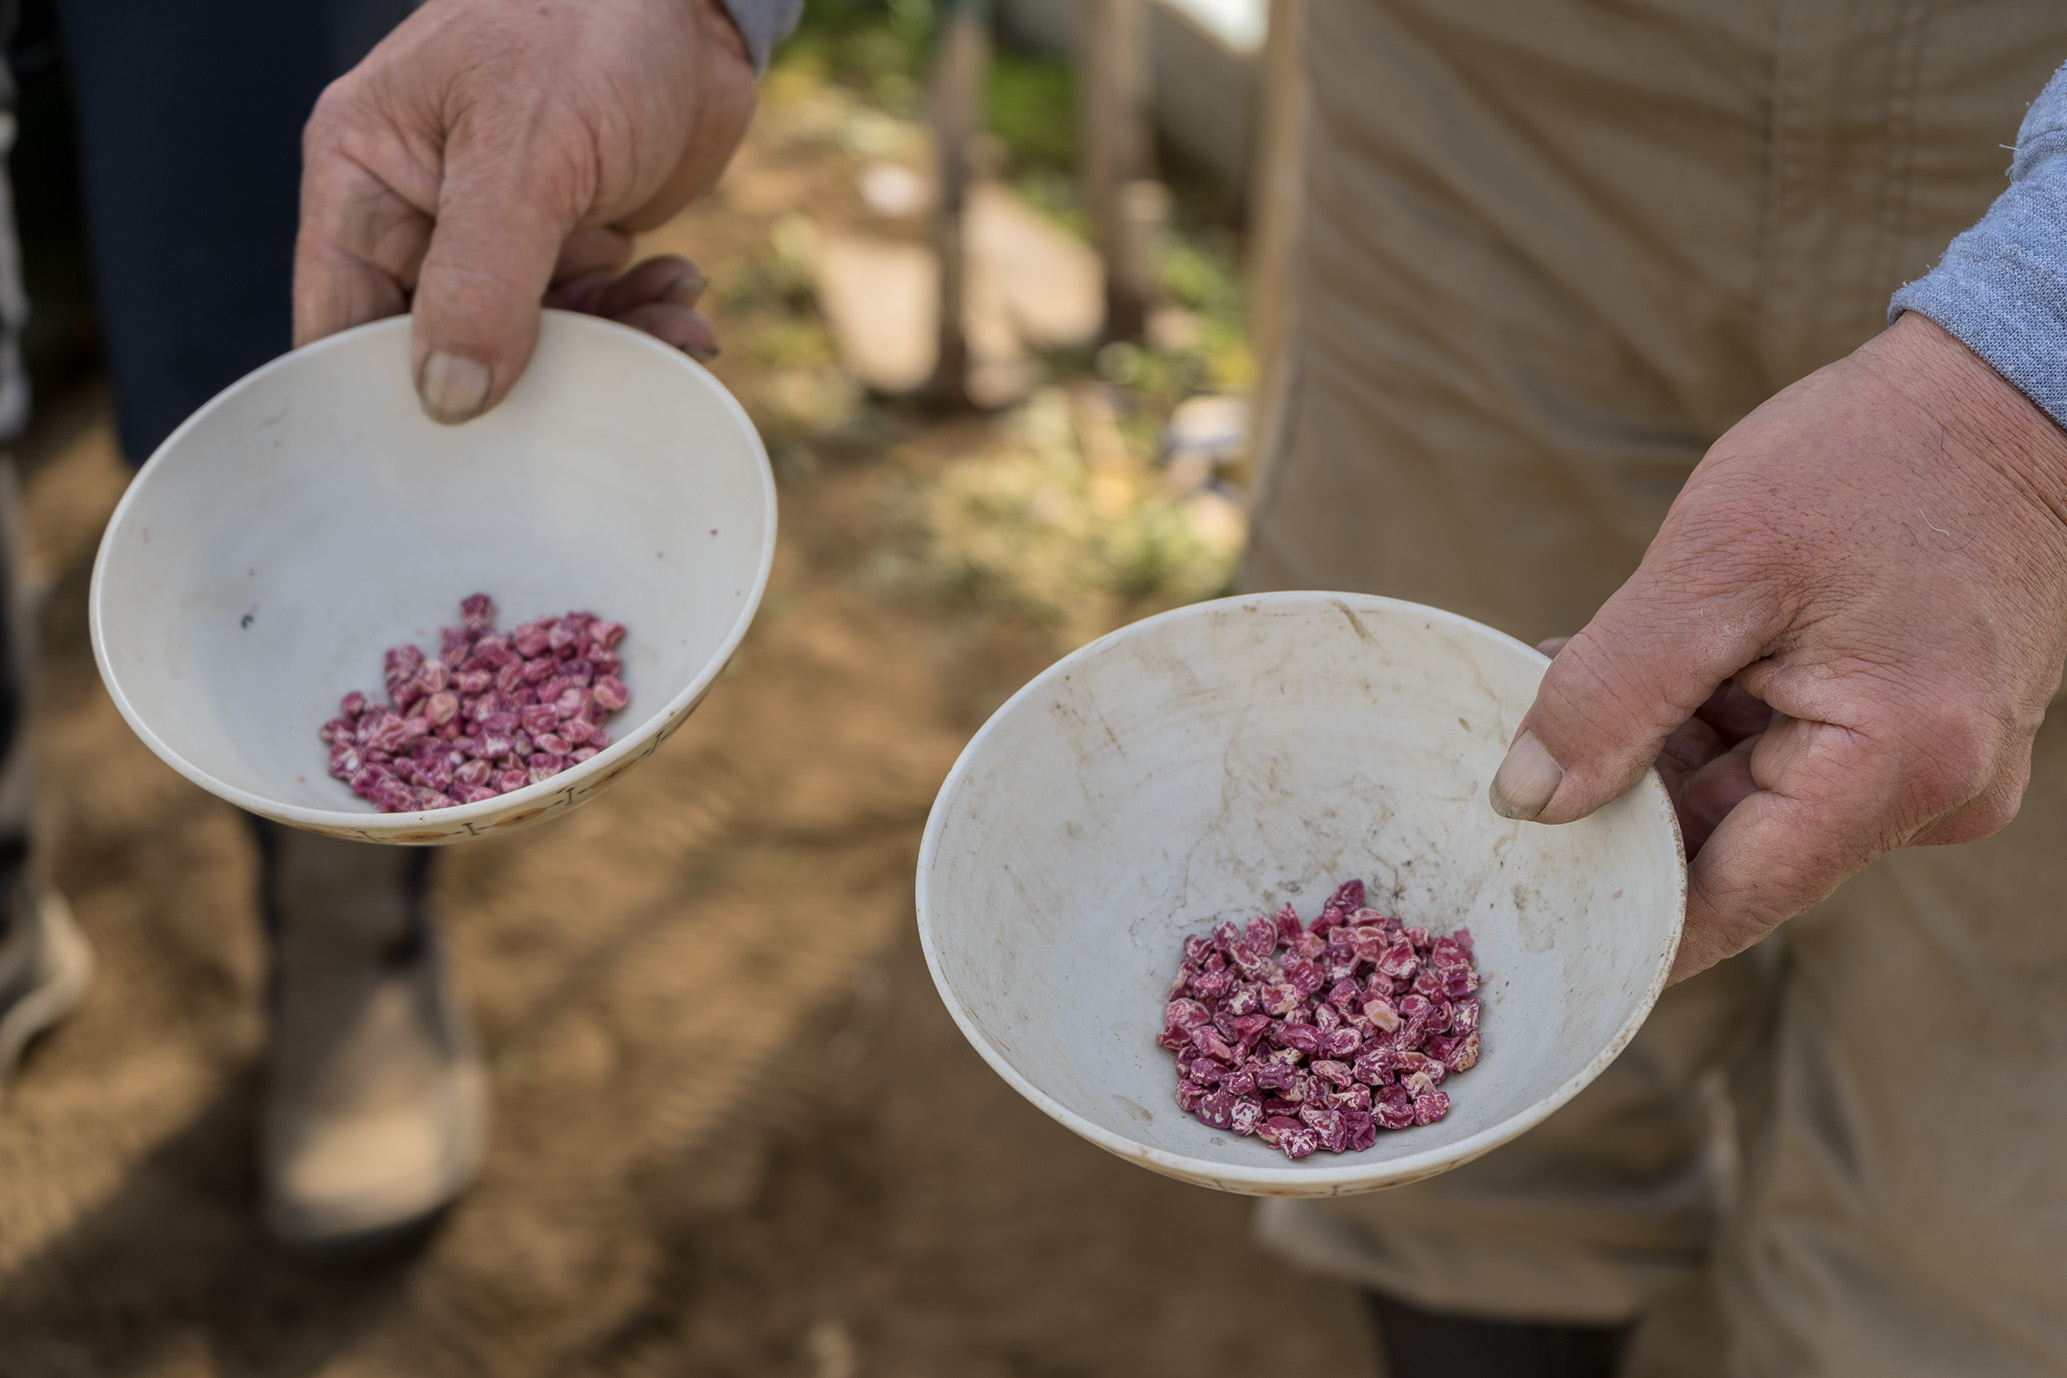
<point x="688" y="290"/>
<point x="1522" y="787"/>
<point x="453" y="389"/>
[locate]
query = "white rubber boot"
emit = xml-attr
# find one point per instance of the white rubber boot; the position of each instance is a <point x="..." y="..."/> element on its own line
<point x="45" y="968"/>
<point x="376" y="1109"/>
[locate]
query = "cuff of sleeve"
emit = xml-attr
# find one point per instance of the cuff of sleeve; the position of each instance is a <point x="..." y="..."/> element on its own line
<point x="763" y="24"/>
<point x="2001" y="290"/>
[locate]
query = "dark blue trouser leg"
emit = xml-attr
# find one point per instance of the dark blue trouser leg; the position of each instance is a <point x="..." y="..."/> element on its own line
<point x="189" y="116"/>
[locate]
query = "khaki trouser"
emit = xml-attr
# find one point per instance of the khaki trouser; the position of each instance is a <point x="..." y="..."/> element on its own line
<point x="1550" y="250"/>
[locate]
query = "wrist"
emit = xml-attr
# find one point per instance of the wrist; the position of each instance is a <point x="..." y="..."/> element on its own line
<point x="1982" y="418"/>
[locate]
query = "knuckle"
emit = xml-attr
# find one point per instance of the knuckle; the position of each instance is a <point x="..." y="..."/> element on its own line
<point x="336" y="111"/>
<point x="1956" y="753"/>
<point x="1995" y="809"/>
<point x="1988" y="816"/>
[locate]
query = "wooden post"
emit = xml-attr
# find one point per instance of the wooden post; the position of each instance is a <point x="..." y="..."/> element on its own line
<point x="1114" y="152"/>
<point x="960" y="72"/>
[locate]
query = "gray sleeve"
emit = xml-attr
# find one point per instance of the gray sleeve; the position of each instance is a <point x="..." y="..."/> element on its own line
<point x="2001" y="289"/>
<point x="764" y="23"/>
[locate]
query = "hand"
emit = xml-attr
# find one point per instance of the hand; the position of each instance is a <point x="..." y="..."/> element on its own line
<point x="1842" y="640"/>
<point x="489" y="157"/>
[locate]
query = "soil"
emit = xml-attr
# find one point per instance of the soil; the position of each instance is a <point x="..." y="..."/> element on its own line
<point x="736" y="1133"/>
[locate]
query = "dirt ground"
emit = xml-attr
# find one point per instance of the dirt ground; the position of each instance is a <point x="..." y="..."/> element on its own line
<point x="735" y="1131"/>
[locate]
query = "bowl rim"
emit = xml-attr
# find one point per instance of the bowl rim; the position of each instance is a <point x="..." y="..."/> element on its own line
<point x="457" y="816"/>
<point x="1350" y="1176"/>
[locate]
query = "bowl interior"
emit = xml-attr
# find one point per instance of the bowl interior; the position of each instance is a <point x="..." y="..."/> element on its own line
<point x="1220" y="760"/>
<point x="312" y="516"/>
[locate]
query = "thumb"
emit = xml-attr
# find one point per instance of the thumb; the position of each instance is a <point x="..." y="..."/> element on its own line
<point x="1632" y="677"/>
<point x="497" y="235"/>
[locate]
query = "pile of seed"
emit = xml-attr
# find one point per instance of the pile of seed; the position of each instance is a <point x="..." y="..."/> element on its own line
<point x="491" y="713"/>
<point x="1313" y="1037"/>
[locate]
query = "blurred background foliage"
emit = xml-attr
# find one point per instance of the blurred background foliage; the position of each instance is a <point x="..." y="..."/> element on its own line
<point x="1016" y="517"/>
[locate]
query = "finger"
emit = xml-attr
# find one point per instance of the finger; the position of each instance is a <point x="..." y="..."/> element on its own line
<point x="1653" y="655"/>
<point x="597" y="249"/>
<point x="1552" y="646"/>
<point x="1816" y="815"/>
<point x="667" y="281"/>
<point x="686" y="330"/>
<point x="1705" y="795"/>
<point x="583" y="293"/>
<point x="358" y="249"/>
<point x="499" y="232"/>
<point x="669" y="278"/>
<point x="1705" y="777"/>
<point x="1693" y="744"/>
<point x="1735" y="713"/>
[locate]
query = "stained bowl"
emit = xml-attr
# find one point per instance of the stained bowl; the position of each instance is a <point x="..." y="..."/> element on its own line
<point x="1220" y="760"/>
<point x="311" y="516"/>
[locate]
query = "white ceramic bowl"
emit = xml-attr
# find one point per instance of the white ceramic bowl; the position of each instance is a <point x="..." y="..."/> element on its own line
<point x="1219" y="760"/>
<point x="311" y="516"/>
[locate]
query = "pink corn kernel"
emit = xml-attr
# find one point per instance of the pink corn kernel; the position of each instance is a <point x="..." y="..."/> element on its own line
<point x="1309" y="1038"/>
<point x="404" y="658"/>
<point x="531" y="639"/>
<point x="495" y="712"/>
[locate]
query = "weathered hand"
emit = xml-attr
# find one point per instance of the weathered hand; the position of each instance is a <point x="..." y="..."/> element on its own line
<point x="1841" y="642"/>
<point x="490" y="157"/>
